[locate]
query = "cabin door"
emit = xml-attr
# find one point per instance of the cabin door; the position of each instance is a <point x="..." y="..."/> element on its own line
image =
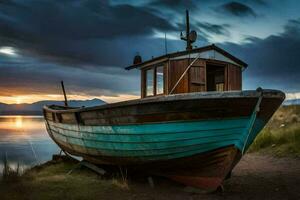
<point x="197" y="77"/>
<point x="215" y="77"/>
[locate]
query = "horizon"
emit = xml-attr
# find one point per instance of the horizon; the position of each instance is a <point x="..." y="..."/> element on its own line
<point x="59" y="100"/>
<point x="30" y="100"/>
<point x="289" y="96"/>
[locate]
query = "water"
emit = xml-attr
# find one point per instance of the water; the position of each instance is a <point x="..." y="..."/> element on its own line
<point x="24" y="140"/>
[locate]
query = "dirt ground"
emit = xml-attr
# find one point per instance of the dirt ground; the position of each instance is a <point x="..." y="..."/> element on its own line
<point x="264" y="177"/>
<point x="257" y="176"/>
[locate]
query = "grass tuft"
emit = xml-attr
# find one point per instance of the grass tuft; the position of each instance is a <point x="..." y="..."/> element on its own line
<point x="282" y="134"/>
<point x="121" y="180"/>
<point x="10" y="174"/>
<point x="120" y="183"/>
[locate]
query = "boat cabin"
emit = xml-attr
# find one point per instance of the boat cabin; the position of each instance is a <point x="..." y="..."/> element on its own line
<point x="203" y="69"/>
<point x="208" y="68"/>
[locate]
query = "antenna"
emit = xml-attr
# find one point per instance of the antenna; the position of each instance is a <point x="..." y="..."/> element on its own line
<point x="190" y="36"/>
<point x="166" y="45"/>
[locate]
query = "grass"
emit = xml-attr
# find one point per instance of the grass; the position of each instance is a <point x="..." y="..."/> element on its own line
<point x="281" y="136"/>
<point x="8" y="173"/>
<point x="51" y="181"/>
<point x="121" y="180"/>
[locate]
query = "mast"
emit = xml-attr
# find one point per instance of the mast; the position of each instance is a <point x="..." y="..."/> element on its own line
<point x="65" y="96"/>
<point x="188" y="42"/>
<point x="190" y="36"/>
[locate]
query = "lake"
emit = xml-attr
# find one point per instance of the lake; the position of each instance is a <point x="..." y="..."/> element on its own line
<point x="24" y="140"/>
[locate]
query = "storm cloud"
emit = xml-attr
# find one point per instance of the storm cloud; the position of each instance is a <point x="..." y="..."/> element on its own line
<point x="273" y="61"/>
<point x="74" y="31"/>
<point x="214" y="28"/>
<point x="177" y="5"/>
<point x="237" y="9"/>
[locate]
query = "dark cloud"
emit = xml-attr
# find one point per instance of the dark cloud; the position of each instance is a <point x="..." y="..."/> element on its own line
<point x="205" y="30"/>
<point x="178" y="5"/>
<point x="74" y="32"/>
<point x="237" y="9"/>
<point x="273" y="61"/>
<point x="214" y="28"/>
<point x="260" y="2"/>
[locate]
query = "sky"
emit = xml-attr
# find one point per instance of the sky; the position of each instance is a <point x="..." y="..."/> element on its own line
<point x="88" y="43"/>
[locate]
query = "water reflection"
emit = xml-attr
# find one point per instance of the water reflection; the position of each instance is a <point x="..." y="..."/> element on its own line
<point x="24" y="140"/>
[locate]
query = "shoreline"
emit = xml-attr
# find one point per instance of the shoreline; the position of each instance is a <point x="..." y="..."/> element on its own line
<point x="257" y="176"/>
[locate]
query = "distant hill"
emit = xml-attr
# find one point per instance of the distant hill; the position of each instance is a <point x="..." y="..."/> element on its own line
<point x="36" y="108"/>
<point x="291" y="102"/>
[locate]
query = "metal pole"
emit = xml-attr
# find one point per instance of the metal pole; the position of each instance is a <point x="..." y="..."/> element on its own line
<point x="188" y="42"/>
<point x="65" y="96"/>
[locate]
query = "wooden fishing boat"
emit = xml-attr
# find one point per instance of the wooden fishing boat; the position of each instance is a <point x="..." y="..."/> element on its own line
<point x="192" y="124"/>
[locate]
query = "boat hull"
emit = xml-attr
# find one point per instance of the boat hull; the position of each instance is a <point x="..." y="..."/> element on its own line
<point x="134" y="144"/>
<point x="195" y="139"/>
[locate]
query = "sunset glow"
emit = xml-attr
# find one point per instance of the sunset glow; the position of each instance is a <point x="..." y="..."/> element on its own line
<point x="19" y="99"/>
<point x="19" y="122"/>
<point x="109" y="99"/>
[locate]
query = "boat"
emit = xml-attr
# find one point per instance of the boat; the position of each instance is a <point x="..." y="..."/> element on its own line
<point x="192" y="124"/>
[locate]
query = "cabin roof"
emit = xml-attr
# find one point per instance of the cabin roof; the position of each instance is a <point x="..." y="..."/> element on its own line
<point x="182" y="53"/>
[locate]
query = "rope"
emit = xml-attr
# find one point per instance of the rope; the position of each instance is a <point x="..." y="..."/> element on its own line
<point x="253" y="117"/>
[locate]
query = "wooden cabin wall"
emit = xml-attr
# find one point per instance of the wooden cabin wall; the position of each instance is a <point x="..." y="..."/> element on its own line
<point x="166" y="78"/>
<point x="195" y="79"/>
<point x="176" y="69"/>
<point x="234" y="77"/>
<point x="143" y="83"/>
<point x="197" y="76"/>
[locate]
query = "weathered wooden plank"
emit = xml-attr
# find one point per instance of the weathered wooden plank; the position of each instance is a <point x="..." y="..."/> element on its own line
<point x="192" y="109"/>
<point x="234" y="77"/>
<point x="176" y="69"/>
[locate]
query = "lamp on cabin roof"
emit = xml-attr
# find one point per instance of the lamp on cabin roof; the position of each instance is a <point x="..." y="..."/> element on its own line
<point x="137" y="59"/>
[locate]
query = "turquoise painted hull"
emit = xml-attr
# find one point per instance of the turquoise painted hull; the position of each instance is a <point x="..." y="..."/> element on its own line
<point x="157" y="141"/>
<point x="163" y="128"/>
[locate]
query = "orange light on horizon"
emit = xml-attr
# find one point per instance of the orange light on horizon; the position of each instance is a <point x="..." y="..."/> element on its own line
<point x="19" y="122"/>
<point x="31" y="98"/>
<point x="18" y="100"/>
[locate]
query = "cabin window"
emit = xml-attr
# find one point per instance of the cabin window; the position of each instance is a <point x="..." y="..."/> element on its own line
<point x="149" y="82"/>
<point x="160" y="80"/>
